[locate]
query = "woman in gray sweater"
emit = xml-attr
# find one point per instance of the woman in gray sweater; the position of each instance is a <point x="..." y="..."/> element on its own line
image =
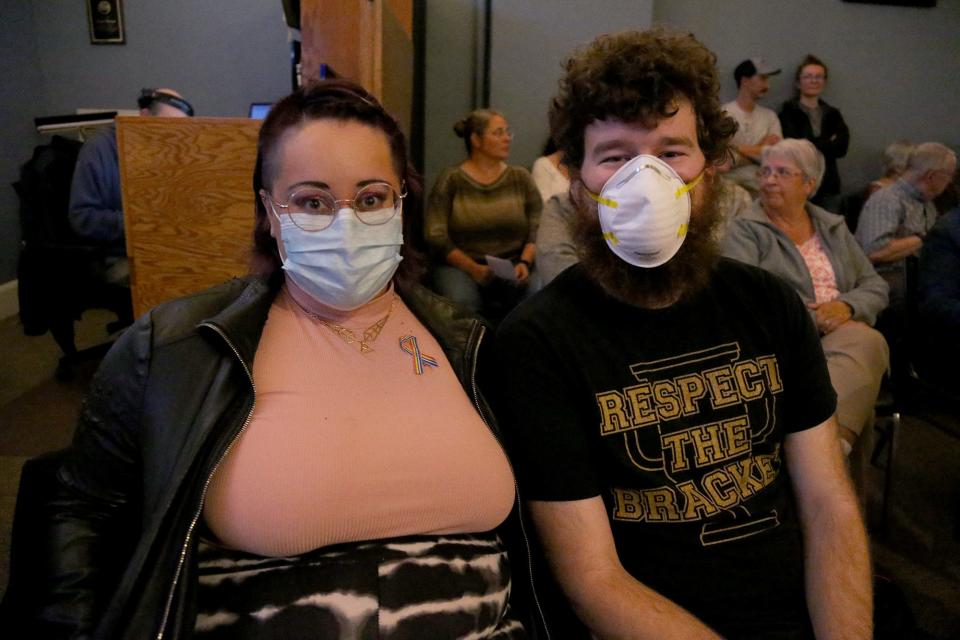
<point x="814" y="251"/>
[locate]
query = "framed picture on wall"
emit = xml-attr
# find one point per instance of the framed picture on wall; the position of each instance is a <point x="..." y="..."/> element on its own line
<point x="105" y="18"/>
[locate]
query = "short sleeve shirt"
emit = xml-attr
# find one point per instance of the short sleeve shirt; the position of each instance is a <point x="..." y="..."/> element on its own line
<point x="676" y="417"/>
<point x="895" y="211"/>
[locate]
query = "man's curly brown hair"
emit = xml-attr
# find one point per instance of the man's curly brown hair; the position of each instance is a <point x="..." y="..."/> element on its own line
<point x="639" y="75"/>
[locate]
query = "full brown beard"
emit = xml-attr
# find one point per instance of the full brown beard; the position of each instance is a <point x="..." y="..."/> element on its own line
<point x="683" y="275"/>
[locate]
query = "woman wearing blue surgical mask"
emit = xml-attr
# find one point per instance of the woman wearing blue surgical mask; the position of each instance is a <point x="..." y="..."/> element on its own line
<point x="304" y="451"/>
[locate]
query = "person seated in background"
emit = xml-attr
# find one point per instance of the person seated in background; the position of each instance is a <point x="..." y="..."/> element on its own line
<point x="556" y="250"/>
<point x="814" y="251"/>
<point x="731" y="201"/>
<point x="938" y="329"/>
<point x="483" y="207"/>
<point x="809" y="117"/>
<point x="895" y="219"/>
<point x="757" y="126"/>
<point x="96" y="211"/>
<point x="893" y="162"/>
<point x="670" y="411"/>
<point x="549" y="173"/>
<point x="257" y="460"/>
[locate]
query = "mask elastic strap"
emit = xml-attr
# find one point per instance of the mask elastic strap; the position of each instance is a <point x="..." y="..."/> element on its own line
<point x="613" y="204"/>
<point x="689" y="186"/>
<point x="607" y="202"/>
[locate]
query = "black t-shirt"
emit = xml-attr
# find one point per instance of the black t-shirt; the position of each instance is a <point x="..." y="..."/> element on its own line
<point x="677" y="418"/>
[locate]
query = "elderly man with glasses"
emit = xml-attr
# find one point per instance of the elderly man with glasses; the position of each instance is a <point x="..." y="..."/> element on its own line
<point x="896" y="218"/>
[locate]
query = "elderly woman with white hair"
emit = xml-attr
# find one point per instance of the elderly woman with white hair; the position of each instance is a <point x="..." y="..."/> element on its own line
<point x="813" y="250"/>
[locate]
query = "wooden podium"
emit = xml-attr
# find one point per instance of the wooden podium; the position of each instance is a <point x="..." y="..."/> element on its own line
<point x="188" y="203"/>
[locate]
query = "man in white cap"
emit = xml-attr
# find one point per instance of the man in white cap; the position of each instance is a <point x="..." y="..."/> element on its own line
<point x="757" y="127"/>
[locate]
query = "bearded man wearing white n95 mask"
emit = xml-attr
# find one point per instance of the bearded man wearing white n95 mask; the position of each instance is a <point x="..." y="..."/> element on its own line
<point x="670" y="412"/>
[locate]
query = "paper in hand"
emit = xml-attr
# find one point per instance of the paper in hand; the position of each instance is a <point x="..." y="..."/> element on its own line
<point x="502" y="268"/>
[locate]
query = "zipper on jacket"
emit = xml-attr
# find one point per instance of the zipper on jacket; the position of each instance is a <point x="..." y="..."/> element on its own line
<point x="475" y="352"/>
<point x="206" y="484"/>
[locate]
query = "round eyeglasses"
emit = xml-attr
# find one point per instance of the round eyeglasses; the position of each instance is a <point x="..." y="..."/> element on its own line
<point x="315" y="209"/>
<point x="780" y="173"/>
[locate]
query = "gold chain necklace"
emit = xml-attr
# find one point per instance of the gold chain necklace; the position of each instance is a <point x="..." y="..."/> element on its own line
<point x="370" y="334"/>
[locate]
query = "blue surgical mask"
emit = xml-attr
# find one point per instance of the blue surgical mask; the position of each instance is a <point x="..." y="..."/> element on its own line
<point x="345" y="265"/>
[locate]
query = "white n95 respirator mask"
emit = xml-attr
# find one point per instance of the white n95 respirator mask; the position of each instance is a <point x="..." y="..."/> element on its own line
<point x="644" y="211"/>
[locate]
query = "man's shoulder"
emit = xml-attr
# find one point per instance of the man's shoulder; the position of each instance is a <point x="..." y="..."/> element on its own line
<point x="568" y="291"/>
<point x="732" y="271"/>
<point x="561" y="206"/>
<point x="734" y="111"/>
<point x="103" y="136"/>
<point x="102" y="142"/>
<point x="886" y="197"/>
<point x="766" y="113"/>
<point x="737" y="282"/>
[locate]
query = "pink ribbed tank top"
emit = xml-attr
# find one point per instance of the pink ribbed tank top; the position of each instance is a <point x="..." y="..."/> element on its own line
<point x="344" y="446"/>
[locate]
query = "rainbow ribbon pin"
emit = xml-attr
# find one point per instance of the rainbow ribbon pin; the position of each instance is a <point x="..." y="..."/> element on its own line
<point x="409" y="345"/>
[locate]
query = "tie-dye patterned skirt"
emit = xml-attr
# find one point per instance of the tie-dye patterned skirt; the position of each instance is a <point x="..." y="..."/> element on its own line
<point x="436" y="587"/>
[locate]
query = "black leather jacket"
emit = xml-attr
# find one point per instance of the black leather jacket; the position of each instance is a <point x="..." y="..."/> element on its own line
<point x="162" y="411"/>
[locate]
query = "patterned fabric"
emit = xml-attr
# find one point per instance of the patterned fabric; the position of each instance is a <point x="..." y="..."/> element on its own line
<point x="414" y="587"/>
<point x="821" y="271"/>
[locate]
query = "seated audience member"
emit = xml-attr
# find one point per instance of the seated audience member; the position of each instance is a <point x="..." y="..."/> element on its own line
<point x="549" y="173"/>
<point x="809" y="117"/>
<point x="814" y="251"/>
<point x="731" y="201"/>
<point x="260" y="460"/>
<point x="894" y="163"/>
<point x="896" y="218"/>
<point x="556" y="249"/>
<point x="938" y="330"/>
<point x="757" y="126"/>
<point x="670" y="410"/>
<point x="95" y="207"/>
<point x="483" y="207"/>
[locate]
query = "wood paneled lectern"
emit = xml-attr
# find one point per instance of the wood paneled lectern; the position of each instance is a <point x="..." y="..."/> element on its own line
<point x="188" y="203"/>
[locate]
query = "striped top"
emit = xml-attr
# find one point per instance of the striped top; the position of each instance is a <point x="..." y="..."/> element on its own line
<point x="496" y="219"/>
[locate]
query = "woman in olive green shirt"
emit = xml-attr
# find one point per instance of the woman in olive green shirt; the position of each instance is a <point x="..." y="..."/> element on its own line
<point x="483" y="207"/>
